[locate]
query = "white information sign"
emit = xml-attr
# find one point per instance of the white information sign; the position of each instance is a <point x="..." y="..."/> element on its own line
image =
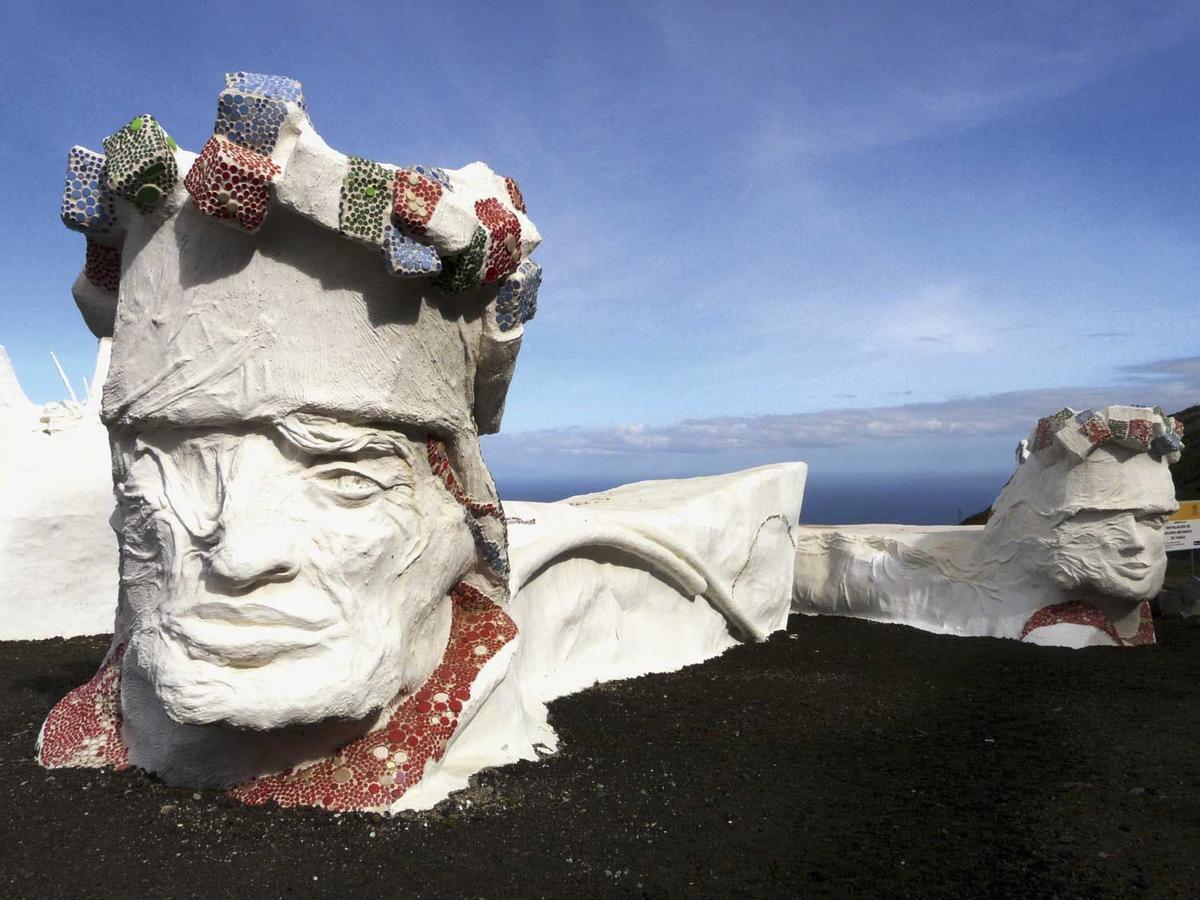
<point x="1183" y="528"/>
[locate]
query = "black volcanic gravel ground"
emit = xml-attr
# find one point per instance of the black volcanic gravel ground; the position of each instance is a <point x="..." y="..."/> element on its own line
<point x="843" y="758"/>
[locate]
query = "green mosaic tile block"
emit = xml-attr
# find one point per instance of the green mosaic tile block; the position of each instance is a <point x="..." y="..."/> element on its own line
<point x="365" y="206"/>
<point x="141" y="162"/>
<point x="465" y="271"/>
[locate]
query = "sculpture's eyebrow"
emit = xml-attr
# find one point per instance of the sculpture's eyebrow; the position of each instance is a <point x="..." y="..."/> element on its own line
<point x="1156" y="510"/>
<point x="323" y="437"/>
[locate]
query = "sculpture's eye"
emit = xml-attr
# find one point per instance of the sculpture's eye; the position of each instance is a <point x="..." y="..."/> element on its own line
<point x="348" y="485"/>
<point x="1158" y="522"/>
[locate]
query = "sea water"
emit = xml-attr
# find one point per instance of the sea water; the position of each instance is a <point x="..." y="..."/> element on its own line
<point x="910" y="498"/>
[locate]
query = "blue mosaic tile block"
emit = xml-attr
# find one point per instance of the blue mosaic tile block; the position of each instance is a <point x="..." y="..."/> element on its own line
<point x="491" y="552"/>
<point x="87" y="204"/>
<point x="532" y="284"/>
<point x="1165" y="444"/>
<point x="516" y="302"/>
<point x="407" y="258"/>
<point x="274" y="87"/>
<point x="251" y="109"/>
<point x="438" y="175"/>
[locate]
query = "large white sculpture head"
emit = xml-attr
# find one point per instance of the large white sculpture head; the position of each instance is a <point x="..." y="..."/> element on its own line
<point x="288" y="573"/>
<point x="306" y="347"/>
<point x="1089" y="500"/>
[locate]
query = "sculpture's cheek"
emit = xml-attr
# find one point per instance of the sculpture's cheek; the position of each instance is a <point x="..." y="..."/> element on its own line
<point x="365" y="544"/>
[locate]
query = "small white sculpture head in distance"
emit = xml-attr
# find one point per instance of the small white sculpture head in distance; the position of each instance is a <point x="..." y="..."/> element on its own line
<point x="1090" y="501"/>
<point x="284" y="574"/>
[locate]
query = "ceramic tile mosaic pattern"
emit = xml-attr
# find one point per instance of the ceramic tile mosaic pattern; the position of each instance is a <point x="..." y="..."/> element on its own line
<point x="407" y="258"/>
<point x="415" y="198"/>
<point x="84" y="728"/>
<point x="276" y="87"/>
<point x="1136" y="428"/>
<point x="376" y="770"/>
<point x="1139" y="432"/>
<point x="504" y="239"/>
<point x="364" y="205"/>
<point x="229" y="183"/>
<point x="438" y="175"/>
<point x="1094" y="427"/>
<point x="252" y="109"/>
<point x="248" y="121"/>
<point x="463" y="272"/>
<point x="435" y="451"/>
<point x="141" y="162"/>
<point x="87" y="204"/>
<point x="1166" y="444"/>
<point x="489" y="549"/>
<point x="1048" y="426"/>
<point x="516" y="301"/>
<point x="102" y="266"/>
<point x="491" y="552"/>
<point x="1076" y="612"/>
<point x="515" y="195"/>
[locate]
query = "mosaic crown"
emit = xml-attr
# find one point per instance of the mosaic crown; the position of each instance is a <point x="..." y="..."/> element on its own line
<point x="461" y="232"/>
<point x="1141" y="429"/>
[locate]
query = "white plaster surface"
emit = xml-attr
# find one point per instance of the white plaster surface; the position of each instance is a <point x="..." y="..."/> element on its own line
<point x="647" y="577"/>
<point x="1064" y="528"/>
<point x="58" y="554"/>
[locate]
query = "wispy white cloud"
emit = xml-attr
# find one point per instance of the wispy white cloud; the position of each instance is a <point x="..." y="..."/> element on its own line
<point x="946" y="72"/>
<point x="1173" y="384"/>
<point x="940" y="318"/>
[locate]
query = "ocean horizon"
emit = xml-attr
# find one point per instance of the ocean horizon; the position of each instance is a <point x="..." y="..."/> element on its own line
<point x="931" y="498"/>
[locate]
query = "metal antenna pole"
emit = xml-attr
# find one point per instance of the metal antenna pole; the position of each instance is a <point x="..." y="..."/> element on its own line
<point x="63" y="376"/>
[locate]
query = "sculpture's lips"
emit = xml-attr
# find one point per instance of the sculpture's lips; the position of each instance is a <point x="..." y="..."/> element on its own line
<point x="252" y="632"/>
<point x="307" y="616"/>
<point x="243" y="644"/>
<point x="1133" y="569"/>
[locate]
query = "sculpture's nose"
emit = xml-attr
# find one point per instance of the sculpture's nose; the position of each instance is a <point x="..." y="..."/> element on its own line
<point x="251" y="553"/>
<point x="1132" y="542"/>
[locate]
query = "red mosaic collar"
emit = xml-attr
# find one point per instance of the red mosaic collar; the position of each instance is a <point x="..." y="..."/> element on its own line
<point x="370" y="773"/>
<point x="1076" y="612"/>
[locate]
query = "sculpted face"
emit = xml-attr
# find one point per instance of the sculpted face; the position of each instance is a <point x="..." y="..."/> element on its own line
<point x="287" y="574"/>
<point x="1113" y="545"/>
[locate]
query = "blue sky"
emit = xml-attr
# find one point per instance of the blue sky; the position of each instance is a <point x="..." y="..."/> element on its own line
<point x="875" y="236"/>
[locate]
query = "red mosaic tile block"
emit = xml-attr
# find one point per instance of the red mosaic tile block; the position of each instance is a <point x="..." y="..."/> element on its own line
<point x="1177" y="425"/>
<point x="377" y="769"/>
<point x="440" y="463"/>
<point x="504" y="247"/>
<point x="1043" y="434"/>
<point x="515" y="195"/>
<point x="1076" y="612"/>
<point x="102" y="266"/>
<point x="229" y="183"/>
<point x="415" y="197"/>
<point x="1140" y="431"/>
<point x="1097" y="431"/>
<point x="84" y="728"/>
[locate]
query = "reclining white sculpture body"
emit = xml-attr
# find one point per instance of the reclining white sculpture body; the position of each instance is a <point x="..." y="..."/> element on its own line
<point x="55" y="497"/>
<point x="1071" y="555"/>
<point x="315" y="586"/>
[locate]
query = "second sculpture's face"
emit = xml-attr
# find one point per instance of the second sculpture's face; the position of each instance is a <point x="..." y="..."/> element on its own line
<point x="1114" y="544"/>
<point x="284" y="575"/>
